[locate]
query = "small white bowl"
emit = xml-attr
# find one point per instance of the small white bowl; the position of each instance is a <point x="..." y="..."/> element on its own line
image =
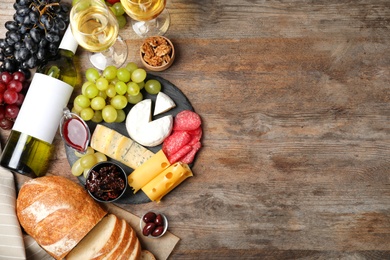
<point x="142" y="224"/>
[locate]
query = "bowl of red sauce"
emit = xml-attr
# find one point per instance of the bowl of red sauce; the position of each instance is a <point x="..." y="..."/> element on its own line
<point x="74" y="131"/>
<point x="106" y="181"/>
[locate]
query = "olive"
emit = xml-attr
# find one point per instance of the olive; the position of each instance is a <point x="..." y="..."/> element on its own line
<point x="149" y="217"/>
<point x="159" y="220"/>
<point x="148" y="229"/>
<point x="158" y="231"/>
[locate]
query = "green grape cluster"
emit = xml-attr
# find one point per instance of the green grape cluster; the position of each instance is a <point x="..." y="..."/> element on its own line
<point x="85" y="161"/>
<point x="104" y="95"/>
<point x="118" y="11"/>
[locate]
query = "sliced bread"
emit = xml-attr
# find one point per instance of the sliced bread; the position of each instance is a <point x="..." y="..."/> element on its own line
<point x="136" y="253"/>
<point x="128" y="248"/>
<point x="99" y="240"/>
<point x="122" y="242"/>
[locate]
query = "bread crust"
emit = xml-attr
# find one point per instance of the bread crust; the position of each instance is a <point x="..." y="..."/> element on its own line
<point x="57" y="213"/>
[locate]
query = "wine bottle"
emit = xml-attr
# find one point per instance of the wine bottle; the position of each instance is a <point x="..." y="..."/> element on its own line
<point x="29" y="145"/>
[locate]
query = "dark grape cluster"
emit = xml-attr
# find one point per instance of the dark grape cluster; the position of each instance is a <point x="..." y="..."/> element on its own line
<point x="13" y="88"/>
<point x="34" y="35"/>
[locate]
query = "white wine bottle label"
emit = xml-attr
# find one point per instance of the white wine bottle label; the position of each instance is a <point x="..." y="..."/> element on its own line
<point x="42" y="107"/>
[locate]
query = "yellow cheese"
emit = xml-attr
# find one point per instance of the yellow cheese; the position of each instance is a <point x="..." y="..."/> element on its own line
<point x="119" y="147"/>
<point x="148" y="170"/>
<point x="167" y="181"/>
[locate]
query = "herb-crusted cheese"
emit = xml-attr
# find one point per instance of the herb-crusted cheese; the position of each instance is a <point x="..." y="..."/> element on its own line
<point x="119" y="147"/>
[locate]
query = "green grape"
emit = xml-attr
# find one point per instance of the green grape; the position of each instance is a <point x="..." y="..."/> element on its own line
<point x="102" y="94"/>
<point x="153" y="86"/>
<point x="88" y="161"/>
<point x="97" y="117"/>
<point x="87" y="113"/>
<point x="123" y="75"/>
<point x="85" y="86"/>
<point x="133" y="88"/>
<point x="86" y="172"/>
<point x="121" y="116"/>
<point x="141" y="84"/>
<point x="134" y="99"/>
<point x="91" y="91"/>
<point x="122" y="21"/>
<point x="74" y="110"/>
<point x="110" y="72"/>
<point x="111" y="91"/>
<point x="138" y="75"/>
<point x="77" y="169"/>
<point x="101" y="84"/>
<point x="131" y="66"/>
<point x="119" y="102"/>
<point x="121" y="87"/>
<point x="98" y="103"/>
<point x="82" y="101"/>
<point x="90" y="150"/>
<point x="92" y="74"/>
<point x="109" y="114"/>
<point x="100" y="157"/>
<point x="118" y="9"/>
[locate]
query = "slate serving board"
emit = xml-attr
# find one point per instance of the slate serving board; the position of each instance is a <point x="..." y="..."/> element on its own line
<point x="182" y="103"/>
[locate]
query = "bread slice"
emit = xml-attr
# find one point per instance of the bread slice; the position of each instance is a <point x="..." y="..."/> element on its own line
<point x="99" y="241"/>
<point x="128" y="249"/>
<point x="136" y="253"/>
<point x="122" y="242"/>
<point x="147" y="255"/>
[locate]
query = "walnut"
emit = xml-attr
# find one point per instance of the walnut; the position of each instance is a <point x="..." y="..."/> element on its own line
<point x="156" y="51"/>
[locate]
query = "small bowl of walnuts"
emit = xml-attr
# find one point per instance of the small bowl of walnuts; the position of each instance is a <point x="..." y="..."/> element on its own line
<point x="157" y="53"/>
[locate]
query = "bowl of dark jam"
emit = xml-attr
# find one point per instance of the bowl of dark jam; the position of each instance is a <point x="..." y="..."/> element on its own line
<point x="106" y="181"/>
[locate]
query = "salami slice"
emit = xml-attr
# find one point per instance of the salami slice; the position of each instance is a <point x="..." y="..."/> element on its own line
<point x="180" y="154"/>
<point x="189" y="157"/>
<point x="175" y="142"/>
<point x="186" y="120"/>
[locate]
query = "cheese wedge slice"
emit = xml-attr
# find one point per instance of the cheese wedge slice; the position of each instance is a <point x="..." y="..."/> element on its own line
<point x="119" y="147"/>
<point x="144" y="131"/>
<point x="148" y="171"/>
<point x="163" y="103"/>
<point x="166" y="181"/>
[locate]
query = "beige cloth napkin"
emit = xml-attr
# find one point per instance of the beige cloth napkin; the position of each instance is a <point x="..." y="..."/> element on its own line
<point x="11" y="239"/>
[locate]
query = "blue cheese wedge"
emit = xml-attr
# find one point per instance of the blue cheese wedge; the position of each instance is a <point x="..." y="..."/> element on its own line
<point x="163" y="104"/>
<point x="145" y="131"/>
<point x="119" y="147"/>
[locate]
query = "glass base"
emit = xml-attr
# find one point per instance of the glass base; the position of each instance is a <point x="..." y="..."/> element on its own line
<point x="157" y="26"/>
<point x="116" y="55"/>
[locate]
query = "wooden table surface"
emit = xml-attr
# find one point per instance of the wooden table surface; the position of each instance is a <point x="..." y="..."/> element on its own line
<point x="295" y="102"/>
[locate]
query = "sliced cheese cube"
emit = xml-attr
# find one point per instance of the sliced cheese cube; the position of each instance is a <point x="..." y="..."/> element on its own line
<point x="148" y="171"/>
<point x="166" y="181"/>
<point x="144" y="131"/>
<point x="119" y="147"/>
<point x="163" y="103"/>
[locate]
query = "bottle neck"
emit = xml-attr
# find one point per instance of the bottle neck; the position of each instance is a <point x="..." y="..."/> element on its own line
<point x="68" y="42"/>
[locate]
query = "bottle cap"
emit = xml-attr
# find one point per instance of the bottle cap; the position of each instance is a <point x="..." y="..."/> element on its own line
<point x="68" y="41"/>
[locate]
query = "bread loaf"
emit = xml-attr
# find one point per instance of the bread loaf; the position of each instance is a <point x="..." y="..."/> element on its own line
<point x="58" y="213"/>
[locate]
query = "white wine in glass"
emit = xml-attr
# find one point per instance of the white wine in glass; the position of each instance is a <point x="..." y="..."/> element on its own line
<point x="149" y="17"/>
<point x="96" y="29"/>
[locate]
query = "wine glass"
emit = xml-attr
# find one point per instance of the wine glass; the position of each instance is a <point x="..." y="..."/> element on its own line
<point x="149" y="17"/>
<point x="96" y="29"/>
